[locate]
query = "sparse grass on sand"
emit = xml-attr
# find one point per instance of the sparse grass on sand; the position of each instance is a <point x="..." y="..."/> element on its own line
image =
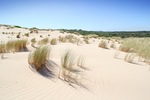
<point x="129" y="57"/>
<point x="128" y="45"/>
<point x="39" y="56"/>
<point x="68" y="38"/>
<point x="113" y="45"/>
<point x="17" y="45"/>
<point x="27" y="34"/>
<point x="86" y="40"/>
<point x="103" y="44"/>
<point x="71" y="67"/>
<point x="43" y="41"/>
<point x="62" y="39"/>
<point x="139" y="46"/>
<point x="18" y="35"/>
<point x="53" y="41"/>
<point x="2" y="49"/>
<point x="33" y="41"/>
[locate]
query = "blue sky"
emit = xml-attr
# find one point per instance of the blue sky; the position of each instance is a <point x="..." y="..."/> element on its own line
<point x="98" y="15"/>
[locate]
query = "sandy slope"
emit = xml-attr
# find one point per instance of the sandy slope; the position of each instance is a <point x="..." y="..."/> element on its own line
<point x="107" y="79"/>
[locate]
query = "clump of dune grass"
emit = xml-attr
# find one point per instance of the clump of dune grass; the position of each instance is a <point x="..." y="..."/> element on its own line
<point x="41" y="36"/>
<point x="128" y="45"/>
<point x="2" y="49"/>
<point x="43" y="41"/>
<point x="62" y="39"/>
<point x="39" y="56"/>
<point x="139" y="46"/>
<point x="71" y="67"/>
<point x="27" y="34"/>
<point x="129" y="57"/>
<point x="20" y="45"/>
<point x="19" y="35"/>
<point x="113" y="45"/>
<point x="103" y="44"/>
<point x="67" y="63"/>
<point x="71" y="39"/>
<point x="86" y="40"/>
<point x="33" y="41"/>
<point x="53" y="41"/>
<point x="68" y="38"/>
<point x="10" y="46"/>
<point x="81" y="62"/>
<point x="17" y="45"/>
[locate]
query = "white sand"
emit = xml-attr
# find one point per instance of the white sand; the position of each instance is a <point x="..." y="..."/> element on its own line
<point x="108" y="78"/>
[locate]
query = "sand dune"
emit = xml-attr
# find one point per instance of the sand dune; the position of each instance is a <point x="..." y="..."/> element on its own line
<point x="108" y="78"/>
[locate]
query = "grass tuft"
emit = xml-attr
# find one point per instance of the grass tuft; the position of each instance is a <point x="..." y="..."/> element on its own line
<point x="53" y="41"/>
<point x="2" y="49"/>
<point x="71" y="67"/>
<point x="39" y="57"/>
<point x="43" y="41"/>
<point x="17" y="45"/>
<point x="103" y="44"/>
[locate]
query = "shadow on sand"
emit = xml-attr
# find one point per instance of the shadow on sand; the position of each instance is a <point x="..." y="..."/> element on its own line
<point x="49" y="71"/>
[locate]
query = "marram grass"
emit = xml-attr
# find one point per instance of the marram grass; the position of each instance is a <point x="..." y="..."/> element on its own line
<point x="39" y="56"/>
<point x="71" y="66"/>
<point x="43" y="41"/>
<point x="139" y="46"/>
<point x="53" y="41"/>
<point x="2" y="49"/>
<point x="16" y="45"/>
<point x="103" y="44"/>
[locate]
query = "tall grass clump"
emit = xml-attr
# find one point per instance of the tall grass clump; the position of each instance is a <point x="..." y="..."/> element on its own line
<point x="27" y="34"/>
<point x="128" y="45"/>
<point x="18" y="35"/>
<point x="103" y="44"/>
<point x="43" y="41"/>
<point x="10" y="46"/>
<point x="17" y="45"/>
<point x="68" y="38"/>
<point x="71" y="67"/>
<point x="139" y="46"/>
<point x="33" y="41"/>
<point x="113" y="45"/>
<point x="21" y="45"/>
<point x="129" y="57"/>
<point x="39" y="56"/>
<point x="62" y="39"/>
<point x="53" y="41"/>
<point x="2" y="49"/>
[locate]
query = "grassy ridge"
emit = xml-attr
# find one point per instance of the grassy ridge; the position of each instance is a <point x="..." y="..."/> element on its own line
<point x="122" y="34"/>
<point x="139" y="46"/>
